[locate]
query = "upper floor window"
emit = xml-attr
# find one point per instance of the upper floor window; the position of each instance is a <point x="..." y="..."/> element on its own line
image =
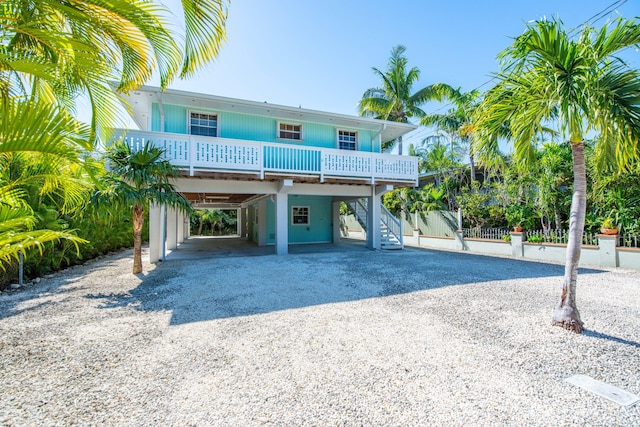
<point x="204" y="124"/>
<point x="290" y="131"/>
<point x="347" y="140"/>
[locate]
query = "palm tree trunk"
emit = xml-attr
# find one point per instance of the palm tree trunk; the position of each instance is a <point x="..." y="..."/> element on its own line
<point x="138" y="221"/>
<point x="566" y="313"/>
<point x="200" y="227"/>
<point x="472" y="166"/>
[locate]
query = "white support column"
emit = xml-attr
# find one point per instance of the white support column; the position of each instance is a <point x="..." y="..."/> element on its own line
<point x="282" y="216"/>
<point x="155" y="232"/>
<point x="373" y="219"/>
<point x="251" y="213"/>
<point x="262" y="222"/>
<point x="163" y="233"/>
<point x="242" y="216"/>
<point x="282" y="224"/>
<point x="335" y="220"/>
<point x="180" y="225"/>
<point x="187" y="227"/>
<point x="172" y="228"/>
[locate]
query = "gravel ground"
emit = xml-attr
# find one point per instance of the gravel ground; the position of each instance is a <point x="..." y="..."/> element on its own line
<point x="356" y="338"/>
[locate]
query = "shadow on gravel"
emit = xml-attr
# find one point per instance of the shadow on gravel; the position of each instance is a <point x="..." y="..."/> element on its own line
<point x="20" y="301"/>
<point x="595" y="334"/>
<point x="209" y="289"/>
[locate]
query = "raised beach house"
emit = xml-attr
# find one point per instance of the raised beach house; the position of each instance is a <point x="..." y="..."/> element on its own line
<point x="284" y="169"/>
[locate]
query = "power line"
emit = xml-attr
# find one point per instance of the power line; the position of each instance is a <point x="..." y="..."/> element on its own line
<point x="595" y="18"/>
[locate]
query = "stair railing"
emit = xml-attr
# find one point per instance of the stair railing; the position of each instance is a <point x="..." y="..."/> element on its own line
<point x="359" y="211"/>
<point x="393" y="224"/>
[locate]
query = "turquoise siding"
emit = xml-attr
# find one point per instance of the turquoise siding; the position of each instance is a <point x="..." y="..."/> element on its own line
<point x="255" y="128"/>
<point x="175" y="118"/>
<point x="318" y="230"/>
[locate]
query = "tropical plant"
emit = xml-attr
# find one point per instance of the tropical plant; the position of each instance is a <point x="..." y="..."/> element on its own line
<point x="55" y="50"/>
<point x="39" y="145"/>
<point x="457" y="122"/>
<point x="394" y="99"/>
<point x="51" y="52"/>
<point x="553" y="175"/>
<point x="576" y="80"/>
<point x="429" y="198"/>
<point x="137" y="179"/>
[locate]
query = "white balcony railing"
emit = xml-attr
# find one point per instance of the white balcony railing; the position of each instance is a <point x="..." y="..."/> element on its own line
<point x="234" y="155"/>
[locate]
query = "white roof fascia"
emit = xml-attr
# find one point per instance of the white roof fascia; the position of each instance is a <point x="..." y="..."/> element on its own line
<point x="140" y="101"/>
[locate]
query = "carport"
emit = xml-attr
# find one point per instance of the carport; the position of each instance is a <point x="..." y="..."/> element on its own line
<point x="204" y="247"/>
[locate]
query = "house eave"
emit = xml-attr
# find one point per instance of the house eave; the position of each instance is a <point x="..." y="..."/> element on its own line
<point x="140" y="101"/>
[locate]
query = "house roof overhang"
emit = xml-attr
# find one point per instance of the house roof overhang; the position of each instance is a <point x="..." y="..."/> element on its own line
<point x="141" y="100"/>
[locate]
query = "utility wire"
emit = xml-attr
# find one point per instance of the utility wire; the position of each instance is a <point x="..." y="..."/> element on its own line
<point x="590" y="21"/>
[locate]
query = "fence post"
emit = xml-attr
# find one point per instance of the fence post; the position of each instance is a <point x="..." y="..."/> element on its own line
<point x="416" y="236"/>
<point x="607" y="250"/>
<point x="517" y="248"/>
<point x="21" y="267"/>
<point x="460" y="240"/>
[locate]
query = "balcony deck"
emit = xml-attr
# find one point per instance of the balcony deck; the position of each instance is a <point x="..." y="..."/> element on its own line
<point x="242" y="159"/>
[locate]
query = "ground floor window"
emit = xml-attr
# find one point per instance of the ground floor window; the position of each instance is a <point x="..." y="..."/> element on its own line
<point x="300" y="215"/>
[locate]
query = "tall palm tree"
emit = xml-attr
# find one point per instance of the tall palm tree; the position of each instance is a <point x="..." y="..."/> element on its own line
<point x="457" y="122"/>
<point x="137" y="179"/>
<point x="577" y="80"/>
<point x="394" y="99"/>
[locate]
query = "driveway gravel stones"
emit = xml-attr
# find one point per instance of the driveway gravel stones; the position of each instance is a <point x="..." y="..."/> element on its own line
<point x="346" y="338"/>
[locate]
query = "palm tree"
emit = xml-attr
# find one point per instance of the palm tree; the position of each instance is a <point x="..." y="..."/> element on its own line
<point x="457" y="122"/>
<point x="54" y="50"/>
<point x="137" y="179"/>
<point x="574" y="79"/>
<point x="394" y="99"/>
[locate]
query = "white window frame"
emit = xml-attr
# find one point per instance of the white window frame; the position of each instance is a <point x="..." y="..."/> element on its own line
<point x="293" y="208"/>
<point x="209" y="113"/>
<point x="357" y="141"/>
<point x="278" y="137"/>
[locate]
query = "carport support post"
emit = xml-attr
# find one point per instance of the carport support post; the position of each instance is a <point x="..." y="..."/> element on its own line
<point x="373" y="219"/>
<point x="251" y="213"/>
<point x="282" y="216"/>
<point x="262" y="222"/>
<point x="335" y="220"/>
<point x="242" y="217"/>
<point x="172" y="228"/>
<point x="187" y="227"/>
<point x="180" y="226"/>
<point x="155" y="232"/>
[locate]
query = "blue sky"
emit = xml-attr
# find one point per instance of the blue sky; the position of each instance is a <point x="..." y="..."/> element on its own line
<point x="319" y="54"/>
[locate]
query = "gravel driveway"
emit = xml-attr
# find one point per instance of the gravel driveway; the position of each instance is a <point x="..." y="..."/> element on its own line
<point x="354" y="338"/>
